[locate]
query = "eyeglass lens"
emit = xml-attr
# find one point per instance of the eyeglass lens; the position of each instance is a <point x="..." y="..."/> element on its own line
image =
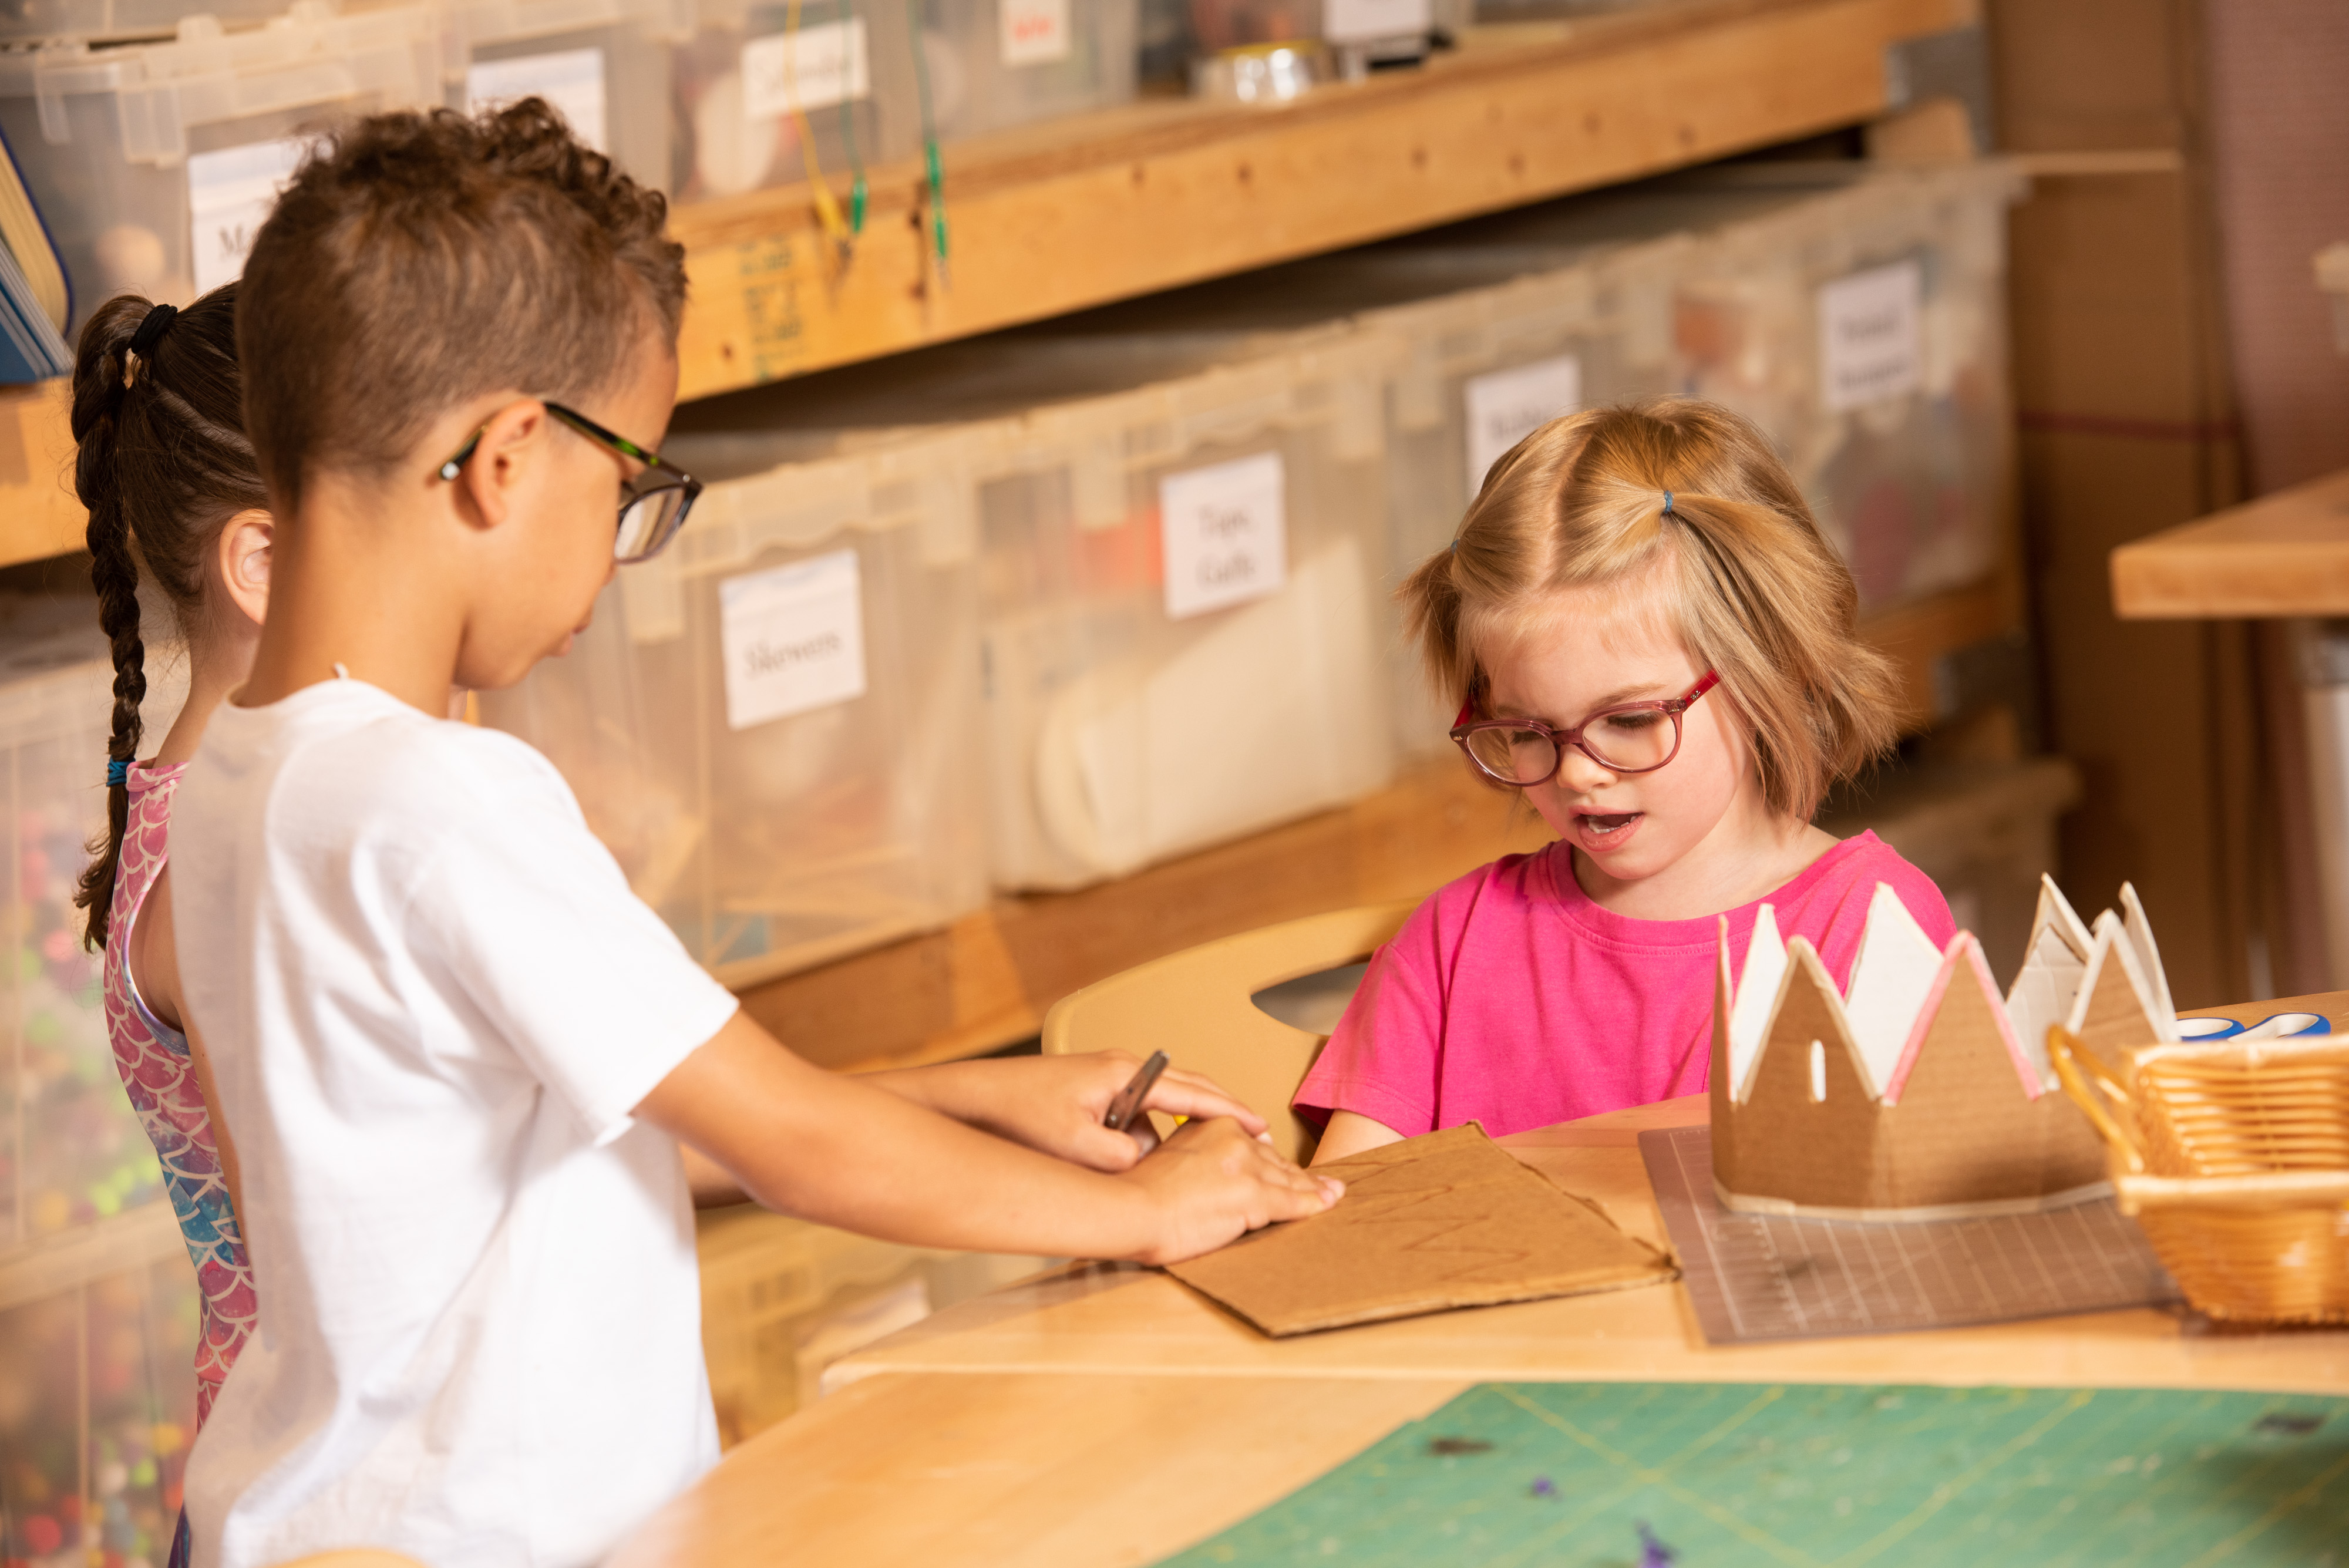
<point x="648" y="521"/>
<point x="1630" y="740"/>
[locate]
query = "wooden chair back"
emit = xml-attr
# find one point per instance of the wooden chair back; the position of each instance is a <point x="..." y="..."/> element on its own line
<point x="1194" y="1006"/>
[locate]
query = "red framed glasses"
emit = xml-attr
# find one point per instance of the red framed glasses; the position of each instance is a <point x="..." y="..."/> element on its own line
<point x="1632" y="738"/>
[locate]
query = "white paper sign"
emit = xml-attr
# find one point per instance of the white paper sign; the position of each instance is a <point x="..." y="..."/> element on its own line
<point x="1507" y="406"/>
<point x="793" y="639"/>
<point x="828" y="60"/>
<point x="229" y="194"/>
<point x="1034" y="32"/>
<point x="570" y="79"/>
<point x="1871" y="341"/>
<point x="1358" y="21"/>
<point x="1225" y="532"/>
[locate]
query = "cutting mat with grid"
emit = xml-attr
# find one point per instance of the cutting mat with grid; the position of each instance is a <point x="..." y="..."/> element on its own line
<point x="1766" y="1276"/>
<point x="1610" y="1475"/>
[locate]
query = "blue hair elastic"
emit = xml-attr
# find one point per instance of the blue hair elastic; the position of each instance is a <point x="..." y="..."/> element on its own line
<point x="117" y="772"/>
<point x="1668" y="503"/>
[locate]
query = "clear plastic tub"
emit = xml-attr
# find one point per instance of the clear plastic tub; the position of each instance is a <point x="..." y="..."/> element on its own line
<point x="71" y="1150"/>
<point x="775" y="724"/>
<point x="23" y="21"/>
<point x="782" y="1299"/>
<point x="1475" y="367"/>
<point x="1857" y="314"/>
<point x="1180" y="569"/>
<point x="604" y="63"/>
<point x="989" y="64"/>
<point x="995" y="64"/>
<point x="154" y="164"/>
<point x="97" y="1405"/>
<point x="849" y="68"/>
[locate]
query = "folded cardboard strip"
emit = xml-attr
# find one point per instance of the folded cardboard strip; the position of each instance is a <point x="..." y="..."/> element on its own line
<point x="1448" y="1220"/>
<point x="1921" y="1093"/>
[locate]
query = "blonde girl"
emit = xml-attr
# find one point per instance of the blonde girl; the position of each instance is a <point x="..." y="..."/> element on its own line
<point x="1647" y="638"/>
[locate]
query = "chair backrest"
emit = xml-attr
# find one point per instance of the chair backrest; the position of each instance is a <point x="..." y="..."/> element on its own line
<point x="1194" y="1005"/>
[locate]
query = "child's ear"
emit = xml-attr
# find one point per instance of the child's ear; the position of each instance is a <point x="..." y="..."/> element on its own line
<point x="504" y="460"/>
<point x="243" y="554"/>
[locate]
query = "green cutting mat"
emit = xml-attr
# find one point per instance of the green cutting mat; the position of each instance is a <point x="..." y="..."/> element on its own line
<point x="1566" y="1473"/>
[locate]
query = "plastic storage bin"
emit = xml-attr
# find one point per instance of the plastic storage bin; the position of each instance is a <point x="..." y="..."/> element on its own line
<point x="154" y="164"/>
<point x="97" y="1404"/>
<point x="23" y="21"/>
<point x="1179" y="633"/>
<point x="995" y="64"/>
<point x="1857" y="314"/>
<point x="604" y="63"/>
<point x="848" y="67"/>
<point x="782" y="1299"/>
<point x="1475" y="367"/>
<point x="775" y="724"/>
<point x="71" y="1150"/>
<point x="851" y="69"/>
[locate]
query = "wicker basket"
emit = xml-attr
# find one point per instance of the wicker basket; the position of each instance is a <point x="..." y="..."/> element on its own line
<point x="2235" y="1160"/>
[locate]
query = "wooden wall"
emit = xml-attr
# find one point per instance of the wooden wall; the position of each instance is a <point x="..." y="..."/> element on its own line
<point x="2128" y="426"/>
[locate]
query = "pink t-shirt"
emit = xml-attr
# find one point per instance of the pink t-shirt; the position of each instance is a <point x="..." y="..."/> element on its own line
<point x="1511" y="999"/>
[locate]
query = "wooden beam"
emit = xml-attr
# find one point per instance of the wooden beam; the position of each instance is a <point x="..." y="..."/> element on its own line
<point x="2282" y="554"/>
<point x="1083" y="211"/>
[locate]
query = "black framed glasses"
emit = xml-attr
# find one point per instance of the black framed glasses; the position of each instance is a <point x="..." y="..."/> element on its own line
<point x="1631" y="738"/>
<point x="654" y="500"/>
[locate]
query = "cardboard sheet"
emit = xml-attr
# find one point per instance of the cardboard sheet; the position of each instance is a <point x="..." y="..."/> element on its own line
<point x="1445" y="1220"/>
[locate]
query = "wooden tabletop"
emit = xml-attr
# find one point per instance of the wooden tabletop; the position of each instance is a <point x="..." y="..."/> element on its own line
<point x="2282" y="554"/>
<point x="1043" y="1471"/>
<point x="1104" y="1416"/>
<point x="1127" y="1322"/>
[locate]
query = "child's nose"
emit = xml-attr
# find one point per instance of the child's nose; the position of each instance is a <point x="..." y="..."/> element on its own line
<point x="1578" y="772"/>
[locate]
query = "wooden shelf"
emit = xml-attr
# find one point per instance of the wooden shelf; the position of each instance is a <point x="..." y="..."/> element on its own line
<point x="1078" y="212"/>
<point x="2283" y="555"/>
<point x="987" y="981"/>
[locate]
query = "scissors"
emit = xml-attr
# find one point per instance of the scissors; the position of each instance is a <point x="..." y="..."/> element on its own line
<point x="2277" y="1027"/>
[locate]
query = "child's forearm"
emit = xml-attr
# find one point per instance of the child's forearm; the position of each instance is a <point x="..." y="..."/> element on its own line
<point x="845" y="1151"/>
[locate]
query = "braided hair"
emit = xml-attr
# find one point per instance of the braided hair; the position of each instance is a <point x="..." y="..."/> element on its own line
<point x="162" y="463"/>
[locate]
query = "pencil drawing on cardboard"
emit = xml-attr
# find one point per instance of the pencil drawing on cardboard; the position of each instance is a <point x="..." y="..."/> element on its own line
<point x="1921" y="1092"/>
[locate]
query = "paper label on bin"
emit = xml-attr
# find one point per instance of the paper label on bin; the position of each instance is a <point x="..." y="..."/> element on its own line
<point x="1507" y="406"/>
<point x="1034" y="32"/>
<point x="1358" y="21"/>
<point x="570" y="79"/>
<point x="1871" y="337"/>
<point x="818" y="66"/>
<point x="1225" y="534"/>
<point x="793" y="639"/>
<point x="229" y="194"/>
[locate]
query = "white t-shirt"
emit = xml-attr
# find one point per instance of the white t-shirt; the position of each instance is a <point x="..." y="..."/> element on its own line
<point x="431" y="1003"/>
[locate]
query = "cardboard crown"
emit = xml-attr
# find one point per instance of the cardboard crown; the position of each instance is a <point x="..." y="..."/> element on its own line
<point x="1920" y="1092"/>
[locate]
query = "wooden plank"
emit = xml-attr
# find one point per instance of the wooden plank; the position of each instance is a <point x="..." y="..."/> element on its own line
<point x="1163" y="194"/>
<point x="2283" y="555"/>
<point x="987" y="981"/>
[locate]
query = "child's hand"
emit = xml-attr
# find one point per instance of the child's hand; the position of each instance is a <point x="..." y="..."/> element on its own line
<point x="1055" y="1104"/>
<point x="1213" y="1181"/>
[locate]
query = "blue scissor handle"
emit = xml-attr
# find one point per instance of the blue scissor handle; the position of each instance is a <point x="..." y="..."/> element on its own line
<point x="2206" y="1029"/>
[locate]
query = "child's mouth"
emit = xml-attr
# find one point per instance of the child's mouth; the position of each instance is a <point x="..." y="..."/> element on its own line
<point x="1604" y="830"/>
